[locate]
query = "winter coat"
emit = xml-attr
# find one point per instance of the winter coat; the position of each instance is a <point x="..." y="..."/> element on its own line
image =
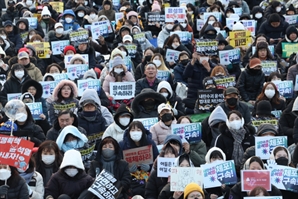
<point x="281" y="106"/>
<point x="34" y="72"/>
<point x="160" y="131"/>
<point x="154" y="185"/>
<point x="34" y="131"/>
<point x="37" y="186"/>
<point x="110" y="14"/>
<point x="197" y="153"/>
<point x="241" y="107"/>
<point x="17" y="190"/>
<point x="128" y="77"/>
<point x="143" y="83"/>
<point x="178" y="74"/>
<point x="139" y="71"/>
<point x="91" y="55"/>
<point x="180" y="48"/>
<point x="72" y="26"/>
<point x="162" y="36"/>
<point x="295" y="133"/>
<point x="292" y="72"/>
<point x="250" y="85"/>
<point x="15" y="38"/>
<point x="53" y="133"/>
<point x="114" y="131"/>
<point x="286" y="123"/>
<point x="274" y="32"/>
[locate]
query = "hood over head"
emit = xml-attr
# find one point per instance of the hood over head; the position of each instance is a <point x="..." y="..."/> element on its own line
<point x="90" y="94"/>
<point x="62" y="83"/>
<point x="217" y="115"/>
<point x="166" y="85"/>
<point x="36" y="85"/>
<point x="207" y="157"/>
<point x="289" y="154"/>
<point x="175" y="138"/>
<point x="72" y="158"/>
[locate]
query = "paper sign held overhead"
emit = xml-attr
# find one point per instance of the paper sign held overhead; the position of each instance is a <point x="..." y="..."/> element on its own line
<point x="173" y="14"/>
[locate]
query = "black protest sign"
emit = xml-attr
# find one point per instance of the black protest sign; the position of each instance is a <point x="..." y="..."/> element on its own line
<point x="208" y="99"/>
<point x="155" y="18"/>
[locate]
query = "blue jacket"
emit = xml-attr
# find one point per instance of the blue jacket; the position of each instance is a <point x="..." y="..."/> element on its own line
<point x="178" y="74"/>
<point x="72" y="25"/>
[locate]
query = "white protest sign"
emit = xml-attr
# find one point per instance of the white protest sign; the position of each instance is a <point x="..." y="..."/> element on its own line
<point x="291" y="19"/>
<point x="238" y="11"/>
<point x="285" y="88"/>
<point x="172" y="55"/>
<point x="200" y="24"/>
<point x="269" y="67"/>
<point x="185" y="36"/>
<point x="230" y="22"/>
<point x="164" y="166"/>
<point x="227" y="57"/>
<point x="75" y="71"/>
<point x="122" y="90"/>
<point x="48" y="88"/>
<point x="58" y="46"/>
<point x="191" y="132"/>
<point x="250" y="25"/>
<point x="101" y="28"/>
<point x="182" y="176"/>
<point x="32" y="21"/>
<point x="83" y="84"/>
<point x="148" y="122"/>
<point x="11" y="96"/>
<point x="173" y="14"/>
<point x="60" y="76"/>
<point x="285" y="178"/>
<point x="118" y="16"/>
<point x="264" y="145"/>
<point x="271" y="48"/>
<point x="163" y="75"/>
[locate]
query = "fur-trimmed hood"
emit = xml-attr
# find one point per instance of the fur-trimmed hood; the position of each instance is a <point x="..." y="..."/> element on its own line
<point x="75" y="57"/>
<point x="35" y="84"/>
<point x="207" y="157"/>
<point x="62" y="83"/>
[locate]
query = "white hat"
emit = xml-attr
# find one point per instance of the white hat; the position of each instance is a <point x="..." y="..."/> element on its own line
<point x="127" y="38"/>
<point x="163" y="106"/>
<point x="72" y="157"/>
<point x="238" y="26"/>
<point x="45" y="11"/>
<point x="58" y="25"/>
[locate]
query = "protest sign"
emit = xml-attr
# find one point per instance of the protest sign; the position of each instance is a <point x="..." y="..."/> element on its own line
<point x="139" y="155"/>
<point x="57" y="6"/>
<point x="264" y="197"/>
<point x="132" y="50"/>
<point x="86" y="154"/>
<point x="60" y="76"/>
<point x="118" y="16"/>
<point x="15" y="151"/>
<point x="258" y="121"/>
<point x="24" y="36"/>
<point x="250" y="25"/>
<point x="163" y="75"/>
<point x="32" y="22"/>
<point x="277" y="113"/>
<point x="76" y="71"/>
<point x="48" y="88"/>
<point x="238" y="11"/>
<point x="285" y="178"/>
<point x="83" y="84"/>
<point x="11" y="96"/>
<point x="164" y="166"/>
<point x="285" y="88"/>
<point x="291" y="19"/>
<point x="58" y="46"/>
<point x="264" y="145"/>
<point x="154" y="18"/>
<point x="101" y="28"/>
<point x="173" y="14"/>
<point x="218" y="173"/>
<point x="223" y="33"/>
<point x="103" y="187"/>
<point x="206" y="46"/>
<point x="43" y="50"/>
<point x="182" y="176"/>
<point x="288" y="49"/>
<point x="185" y="36"/>
<point x="208" y="99"/>
<point x="94" y="137"/>
<point x="230" y="22"/>
<point x="140" y="37"/>
<point x="269" y="67"/>
<point x="271" y="48"/>
<point x="67" y="58"/>
<point x="172" y="55"/>
<point x="191" y="132"/>
<point x="116" y="3"/>
<point x="240" y="38"/>
<point x="148" y="122"/>
<point x="227" y="57"/>
<point x="78" y="36"/>
<point x="223" y="82"/>
<point x="35" y="109"/>
<point x="217" y="15"/>
<point x="200" y="24"/>
<point x="252" y="178"/>
<point x="122" y="90"/>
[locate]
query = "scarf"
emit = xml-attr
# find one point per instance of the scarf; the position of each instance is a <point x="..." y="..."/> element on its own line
<point x="27" y="176"/>
<point x="108" y="163"/>
<point x="238" y="149"/>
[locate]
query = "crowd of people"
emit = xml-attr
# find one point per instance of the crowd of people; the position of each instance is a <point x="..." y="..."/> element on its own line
<point x="79" y="133"/>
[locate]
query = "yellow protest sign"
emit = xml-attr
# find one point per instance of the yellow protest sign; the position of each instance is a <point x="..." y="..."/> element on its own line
<point x="240" y="38"/>
<point x="43" y="50"/>
<point x="57" y="6"/>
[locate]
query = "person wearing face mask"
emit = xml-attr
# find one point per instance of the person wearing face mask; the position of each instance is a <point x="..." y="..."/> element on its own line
<point x="251" y="80"/>
<point x="235" y="137"/>
<point x="80" y="12"/>
<point x="146" y="43"/>
<point x="12" y="185"/>
<point x="161" y="129"/>
<point x="69" y="23"/>
<point x="71" y="180"/>
<point x="240" y="4"/>
<point x="174" y="43"/>
<point x="257" y="14"/>
<point x="164" y="34"/>
<point x="275" y="7"/>
<point x="47" y="159"/>
<point x="158" y="60"/>
<point x="210" y="20"/>
<point x="91" y="17"/>
<point x="46" y="22"/>
<point x="23" y="26"/>
<point x="180" y="67"/>
<point x="139" y="71"/>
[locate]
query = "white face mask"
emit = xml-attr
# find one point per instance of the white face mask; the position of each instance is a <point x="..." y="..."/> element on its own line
<point x="236" y="124"/>
<point x="201" y="16"/>
<point x="175" y="46"/>
<point x="157" y="62"/>
<point x="30" y="37"/>
<point x="165" y="94"/>
<point x="136" y="135"/>
<point x="124" y="121"/>
<point x="92" y="16"/>
<point x="81" y="14"/>
<point x="19" y="74"/>
<point x="68" y="20"/>
<point x="123" y="54"/>
<point x="71" y="172"/>
<point x="5" y="174"/>
<point x="211" y="22"/>
<point x="259" y="15"/>
<point x="48" y="159"/>
<point x="59" y="30"/>
<point x="169" y="26"/>
<point x="278" y="9"/>
<point x="118" y="70"/>
<point x="29" y="3"/>
<point x="190" y="12"/>
<point x="21" y="117"/>
<point x="184" y="25"/>
<point x="3" y="36"/>
<point x="217" y="29"/>
<point x="269" y="93"/>
<point x="203" y="58"/>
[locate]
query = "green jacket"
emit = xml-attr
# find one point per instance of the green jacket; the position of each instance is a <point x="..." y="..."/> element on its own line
<point x="197" y="153"/>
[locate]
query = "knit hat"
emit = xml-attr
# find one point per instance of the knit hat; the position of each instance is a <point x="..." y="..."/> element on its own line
<point x="31" y="48"/>
<point x="69" y="47"/>
<point x="127" y="38"/>
<point x="116" y="51"/>
<point x="11" y="2"/>
<point x="155" y="6"/>
<point x="23" y="55"/>
<point x="24" y="49"/>
<point x="264" y="108"/>
<point x="208" y="81"/>
<point x="231" y="90"/>
<point x="274" y="18"/>
<point x="57" y="25"/>
<point x="202" y="10"/>
<point x="238" y="26"/>
<point x="221" y="39"/>
<point x="291" y="29"/>
<point x="90" y="73"/>
<point x="75" y="57"/>
<point x="27" y="98"/>
<point x="123" y="110"/>
<point x="27" y="14"/>
<point x="45" y="11"/>
<point x="117" y="61"/>
<point x="265" y="128"/>
<point x="124" y="28"/>
<point x="291" y="8"/>
<point x="191" y="187"/>
<point x="183" y="53"/>
<point x="107" y="2"/>
<point x="254" y="62"/>
<point x="163" y="106"/>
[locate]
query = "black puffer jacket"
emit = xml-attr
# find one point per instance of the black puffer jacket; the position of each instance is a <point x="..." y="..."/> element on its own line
<point x="17" y="188"/>
<point x="36" y="134"/>
<point x="154" y="185"/>
<point x="273" y="32"/>
<point x="287" y="124"/>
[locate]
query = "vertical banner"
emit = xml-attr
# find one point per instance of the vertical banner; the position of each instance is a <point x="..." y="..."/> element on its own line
<point x="164" y="166"/>
<point x="200" y="24"/>
<point x="122" y="90"/>
<point x="264" y="145"/>
<point x="138" y="155"/>
<point x="191" y="132"/>
<point x="182" y="176"/>
<point x="250" y="25"/>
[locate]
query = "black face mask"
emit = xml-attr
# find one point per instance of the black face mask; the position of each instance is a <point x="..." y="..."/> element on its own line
<point x="254" y="71"/>
<point x="167" y="117"/>
<point x="27" y="66"/>
<point x="148" y="58"/>
<point x="232" y="101"/>
<point x="282" y="161"/>
<point x="149" y="104"/>
<point x="46" y="20"/>
<point x="184" y="62"/>
<point x="210" y="36"/>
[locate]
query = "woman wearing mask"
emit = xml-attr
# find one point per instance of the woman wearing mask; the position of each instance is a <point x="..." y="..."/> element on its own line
<point x="275" y="7"/>
<point x="210" y="20"/>
<point x="91" y="18"/>
<point x="184" y="27"/>
<point x="108" y="157"/>
<point x="235" y="137"/>
<point x="257" y="14"/>
<point x="270" y="93"/>
<point x="164" y="34"/>
<point x="174" y="43"/>
<point x="158" y="60"/>
<point x="48" y="160"/>
<point x="12" y="185"/>
<point x="161" y="129"/>
<point x="139" y="71"/>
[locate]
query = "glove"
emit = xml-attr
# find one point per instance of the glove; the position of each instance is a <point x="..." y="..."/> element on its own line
<point x="145" y="167"/>
<point x="4" y="190"/>
<point x="270" y="164"/>
<point x="133" y="168"/>
<point x="175" y="111"/>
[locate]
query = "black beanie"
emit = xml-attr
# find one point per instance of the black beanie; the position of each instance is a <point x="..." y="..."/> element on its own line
<point x="274" y="18"/>
<point x="264" y="108"/>
<point x="290" y="30"/>
<point x="123" y="109"/>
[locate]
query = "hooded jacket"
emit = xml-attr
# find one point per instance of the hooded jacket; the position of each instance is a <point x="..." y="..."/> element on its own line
<point x="255" y="10"/>
<point x="160" y="131"/>
<point x="162" y="36"/>
<point x="274" y="32"/>
<point x="207" y="157"/>
<point x="109" y="13"/>
<point x="34" y="72"/>
<point x="72" y="26"/>
<point x="91" y="55"/>
<point x="15" y="38"/>
<point x="208" y="28"/>
<point x="80" y="19"/>
<point x="291" y="29"/>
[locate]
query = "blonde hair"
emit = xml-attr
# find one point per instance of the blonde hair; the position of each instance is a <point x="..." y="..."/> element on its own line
<point x="217" y="69"/>
<point x="163" y="65"/>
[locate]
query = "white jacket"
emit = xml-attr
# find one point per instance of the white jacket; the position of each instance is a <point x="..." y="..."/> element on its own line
<point x="114" y="131"/>
<point x="38" y="190"/>
<point x="162" y="36"/>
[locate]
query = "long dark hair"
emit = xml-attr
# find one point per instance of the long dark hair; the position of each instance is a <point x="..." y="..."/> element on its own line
<point x="257" y="190"/>
<point x="138" y="124"/>
<point x="275" y="98"/>
<point x="171" y="39"/>
<point x="206" y="24"/>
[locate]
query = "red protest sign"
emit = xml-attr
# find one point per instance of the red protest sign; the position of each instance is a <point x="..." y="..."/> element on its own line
<point x="252" y="178"/>
<point x="139" y="155"/>
<point x="15" y="151"/>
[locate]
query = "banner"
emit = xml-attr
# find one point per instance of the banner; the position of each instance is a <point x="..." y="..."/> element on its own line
<point x="103" y="186"/>
<point x="67" y="58"/>
<point x="138" y="155"/>
<point x="285" y="178"/>
<point x="269" y="67"/>
<point x="101" y="28"/>
<point x="258" y="121"/>
<point x="78" y="36"/>
<point x="200" y="24"/>
<point x="206" y="46"/>
<point x="288" y="49"/>
<point x="240" y="38"/>
<point x="223" y="82"/>
<point x="132" y="50"/>
<point x="155" y="18"/>
<point x="217" y="15"/>
<point x="76" y="71"/>
<point x="140" y="37"/>
<point x="58" y="46"/>
<point x="164" y="166"/>
<point x="32" y="22"/>
<point x="172" y="55"/>
<point x="83" y="84"/>
<point x="42" y="49"/>
<point x="15" y="151"/>
<point x="191" y="132"/>
<point x="252" y="178"/>
<point x="250" y="25"/>
<point x="148" y="122"/>
<point x="57" y="6"/>
<point x="227" y="57"/>
<point x="271" y="48"/>
<point x="163" y="75"/>
<point x="173" y="14"/>
<point x="60" y="76"/>
<point x="291" y="19"/>
<point x="185" y="36"/>
<point x="218" y="173"/>
<point x="118" y="16"/>
<point x="238" y="11"/>
<point x="208" y="99"/>
<point x="35" y="109"/>
<point x="264" y="145"/>
<point x="48" y="88"/>
<point x="285" y="88"/>
<point x="11" y="96"/>
<point x="122" y="90"/>
<point x="182" y="176"/>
